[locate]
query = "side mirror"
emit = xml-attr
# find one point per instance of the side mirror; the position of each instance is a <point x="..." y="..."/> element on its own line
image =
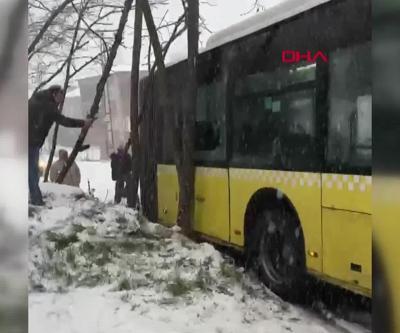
<point x="207" y="136"/>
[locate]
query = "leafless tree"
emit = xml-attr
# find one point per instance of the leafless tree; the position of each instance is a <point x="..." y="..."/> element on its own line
<point x="51" y="31"/>
<point x="72" y="25"/>
<point x="81" y="13"/>
<point x="100" y="88"/>
<point x="134" y="106"/>
<point x="53" y="15"/>
<point x="54" y="27"/>
<point x="148" y="120"/>
<point x="186" y="171"/>
<point x="163" y="92"/>
<point x="185" y="137"/>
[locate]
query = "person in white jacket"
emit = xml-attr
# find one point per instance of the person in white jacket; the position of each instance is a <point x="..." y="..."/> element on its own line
<point x="73" y="177"/>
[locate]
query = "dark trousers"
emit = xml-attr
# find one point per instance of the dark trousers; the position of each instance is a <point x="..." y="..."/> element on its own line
<point x="123" y="188"/>
<point x="33" y="175"/>
<point x="120" y="190"/>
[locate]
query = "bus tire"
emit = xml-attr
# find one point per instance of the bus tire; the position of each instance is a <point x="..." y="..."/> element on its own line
<point x="281" y="254"/>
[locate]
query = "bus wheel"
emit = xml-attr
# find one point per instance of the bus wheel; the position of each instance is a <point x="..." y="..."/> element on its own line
<point x="281" y="257"/>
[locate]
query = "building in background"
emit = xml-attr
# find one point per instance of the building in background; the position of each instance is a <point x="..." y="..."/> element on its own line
<point x="112" y="127"/>
<point x="72" y="108"/>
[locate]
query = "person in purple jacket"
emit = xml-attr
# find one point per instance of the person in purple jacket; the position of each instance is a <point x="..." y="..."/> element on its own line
<point x="121" y="165"/>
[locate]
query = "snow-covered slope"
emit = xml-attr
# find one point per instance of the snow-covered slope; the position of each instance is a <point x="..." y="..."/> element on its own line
<point x="96" y="267"/>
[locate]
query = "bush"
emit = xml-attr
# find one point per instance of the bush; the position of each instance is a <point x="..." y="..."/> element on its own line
<point x="124" y="284"/>
<point x="179" y="287"/>
<point x="62" y="241"/>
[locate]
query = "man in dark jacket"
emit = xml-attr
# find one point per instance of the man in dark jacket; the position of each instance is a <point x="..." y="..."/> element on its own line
<point x="120" y="169"/>
<point x="43" y="113"/>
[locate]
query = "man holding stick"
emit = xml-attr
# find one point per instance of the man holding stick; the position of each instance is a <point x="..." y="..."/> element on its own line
<point x="43" y="113"/>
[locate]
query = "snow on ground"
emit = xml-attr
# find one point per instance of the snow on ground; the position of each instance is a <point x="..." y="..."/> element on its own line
<point x="99" y="176"/>
<point x="96" y="267"/>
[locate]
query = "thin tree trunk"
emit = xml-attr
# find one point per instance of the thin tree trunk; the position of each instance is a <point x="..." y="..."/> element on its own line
<point x="66" y="83"/>
<point x="150" y="136"/>
<point x="136" y="154"/>
<point x="186" y="183"/>
<point x="47" y="24"/>
<point x="155" y="42"/>
<point x="99" y="89"/>
<point x="173" y="120"/>
<point x="162" y="82"/>
<point x="148" y="143"/>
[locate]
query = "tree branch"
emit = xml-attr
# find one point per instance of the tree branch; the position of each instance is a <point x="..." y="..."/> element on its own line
<point x="99" y="88"/>
<point x="66" y="83"/>
<point x="90" y="27"/>
<point x="59" y="70"/>
<point x="87" y="63"/>
<point x="47" y="24"/>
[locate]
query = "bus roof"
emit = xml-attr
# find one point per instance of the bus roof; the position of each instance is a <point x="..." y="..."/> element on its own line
<point x="279" y="12"/>
<point x="274" y="14"/>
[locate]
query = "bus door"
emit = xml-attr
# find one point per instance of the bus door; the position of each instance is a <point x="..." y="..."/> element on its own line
<point x="211" y="206"/>
<point x="346" y="188"/>
<point x="211" y="214"/>
<point x="347" y="228"/>
<point x="211" y="211"/>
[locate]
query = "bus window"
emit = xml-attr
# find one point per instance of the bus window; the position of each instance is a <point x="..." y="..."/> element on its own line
<point x="349" y="129"/>
<point x="274" y="120"/>
<point x="210" y="141"/>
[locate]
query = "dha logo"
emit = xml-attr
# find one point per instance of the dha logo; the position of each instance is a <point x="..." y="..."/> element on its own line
<point x="291" y="56"/>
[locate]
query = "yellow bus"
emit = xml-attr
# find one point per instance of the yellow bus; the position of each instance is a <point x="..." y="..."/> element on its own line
<point x="283" y="143"/>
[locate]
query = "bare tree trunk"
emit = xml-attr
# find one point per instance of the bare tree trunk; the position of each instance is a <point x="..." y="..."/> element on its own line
<point x="155" y="42"/>
<point x="159" y="57"/>
<point x="66" y="83"/>
<point x="148" y="143"/>
<point x="186" y="181"/>
<point x="183" y="150"/>
<point x="150" y="132"/>
<point x="136" y="154"/>
<point x="47" y="24"/>
<point x="161" y="80"/>
<point x="99" y="89"/>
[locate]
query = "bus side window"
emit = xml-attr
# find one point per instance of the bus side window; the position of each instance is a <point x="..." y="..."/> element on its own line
<point x="363" y="126"/>
<point x="210" y="122"/>
<point x="350" y="116"/>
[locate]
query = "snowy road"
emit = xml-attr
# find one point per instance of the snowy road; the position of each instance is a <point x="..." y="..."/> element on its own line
<point x="95" y="267"/>
<point x="96" y="310"/>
